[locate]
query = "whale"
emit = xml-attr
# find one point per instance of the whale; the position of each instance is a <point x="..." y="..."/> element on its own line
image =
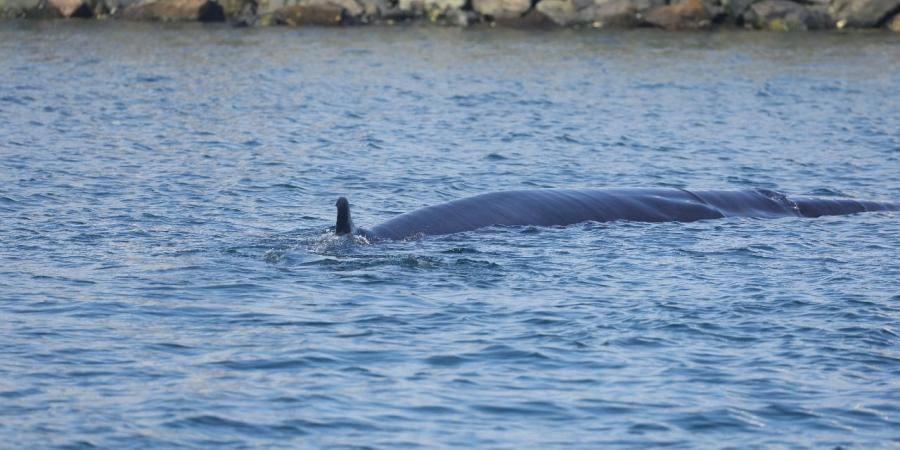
<point x="561" y="207"/>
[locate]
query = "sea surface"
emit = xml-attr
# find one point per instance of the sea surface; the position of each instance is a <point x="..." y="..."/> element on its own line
<point x="168" y="279"/>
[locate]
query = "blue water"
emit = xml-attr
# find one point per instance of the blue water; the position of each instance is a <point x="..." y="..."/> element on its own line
<point x="167" y="279"/>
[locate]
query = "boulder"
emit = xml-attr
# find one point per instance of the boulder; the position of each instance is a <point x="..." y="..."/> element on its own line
<point x="618" y="13"/>
<point x="715" y="9"/>
<point x="862" y="13"/>
<point x="449" y="12"/>
<point x="30" y="9"/>
<point x="684" y="15"/>
<point x="435" y="10"/>
<point x="51" y="9"/>
<point x="325" y="14"/>
<point x="784" y="15"/>
<point x="532" y="19"/>
<point x="501" y="9"/>
<point x="73" y="8"/>
<point x="310" y="12"/>
<point x="561" y="12"/>
<point x="375" y="10"/>
<point x="597" y="13"/>
<point x="894" y="24"/>
<point x="735" y="9"/>
<point x="457" y="17"/>
<point x="175" y="11"/>
<point x="238" y="9"/>
<point x="116" y="7"/>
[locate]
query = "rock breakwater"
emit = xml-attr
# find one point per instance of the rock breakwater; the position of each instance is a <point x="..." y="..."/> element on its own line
<point x="782" y="15"/>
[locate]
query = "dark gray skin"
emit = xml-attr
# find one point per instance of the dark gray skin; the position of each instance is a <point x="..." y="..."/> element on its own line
<point x="560" y="207"/>
<point x="344" y="223"/>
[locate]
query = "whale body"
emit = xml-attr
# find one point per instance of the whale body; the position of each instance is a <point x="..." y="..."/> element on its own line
<point x="560" y="207"/>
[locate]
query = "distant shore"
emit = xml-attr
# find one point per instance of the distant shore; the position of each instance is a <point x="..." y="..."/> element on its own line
<point x="781" y="15"/>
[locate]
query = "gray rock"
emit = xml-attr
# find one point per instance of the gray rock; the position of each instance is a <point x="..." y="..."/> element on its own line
<point x="385" y="11"/>
<point x="561" y="12"/>
<point x="784" y="15"/>
<point x="239" y="9"/>
<point x="862" y="13"/>
<point x="735" y="9"/>
<point x="374" y="10"/>
<point x="30" y="9"/>
<point x="501" y="9"/>
<point x="597" y="13"/>
<point x="460" y="17"/>
<point x="532" y="19"/>
<point x="51" y="9"/>
<point x="715" y="9"/>
<point x="617" y="13"/>
<point x="116" y="7"/>
<point x="435" y="10"/>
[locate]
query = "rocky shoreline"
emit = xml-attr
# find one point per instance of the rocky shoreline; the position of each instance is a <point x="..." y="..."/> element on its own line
<point x="782" y="15"/>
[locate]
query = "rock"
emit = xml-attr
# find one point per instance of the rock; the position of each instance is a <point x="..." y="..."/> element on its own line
<point x="460" y="17"/>
<point x="384" y="11"/>
<point x="597" y="13"/>
<point x="532" y="19"/>
<point x="238" y="9"/>
<point x="735" y="9"/>
<point x="310" y="12"/>
<point x="51" y="9"/>
<point x="435" y="10"/>
<point x="501" y="9"/>
<point x="28" y="9"/>
<point x="894" y="24"/>
<point x="561" y="12"/>
<point x="715" y="9"/>
<point x="175" y="11"/>
<point x="621" y="13"/>
<point x="373" y="10"/>
<point x="684" y="15"/>
<point x="327" y="14"/>
<point x="862" y="13"/>
<point x="784" y="15"/>
<point x="117" y="6"/>
<point x="73" y="8"/>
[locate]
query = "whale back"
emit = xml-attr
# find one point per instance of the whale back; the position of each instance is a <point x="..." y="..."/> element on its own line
<point x="816" y="207"/>
<point x="547" y="207"/>
<point x="560" y="207"/>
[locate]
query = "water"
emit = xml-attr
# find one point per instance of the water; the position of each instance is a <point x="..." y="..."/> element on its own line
<point x="167" y="279"/>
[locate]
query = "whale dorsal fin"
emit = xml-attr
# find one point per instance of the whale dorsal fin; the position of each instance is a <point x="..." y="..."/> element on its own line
<point x="344" y="223"/>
